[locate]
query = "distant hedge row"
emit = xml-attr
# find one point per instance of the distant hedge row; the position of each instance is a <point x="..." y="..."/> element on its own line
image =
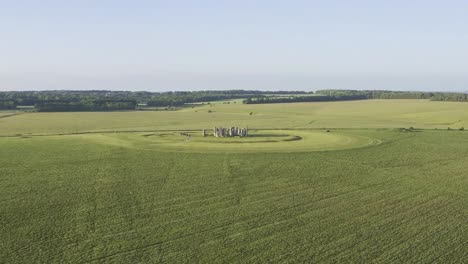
<point x="97" y="100"/>
<point x="385" y="94"/>
<point x="346" y="95"/>
<point x="298" y="99"/>
<point x="95" y="105"/>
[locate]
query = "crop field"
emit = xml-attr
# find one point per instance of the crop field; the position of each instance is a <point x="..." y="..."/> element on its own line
<point x="147" y="187"/>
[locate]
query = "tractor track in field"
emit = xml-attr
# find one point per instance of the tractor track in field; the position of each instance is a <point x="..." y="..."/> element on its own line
<point x="230" y="224"/>
<point x="10" y="115"/>
<point x="385" y="228"/>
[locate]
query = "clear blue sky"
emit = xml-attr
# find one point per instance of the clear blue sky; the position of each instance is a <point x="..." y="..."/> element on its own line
<point x="239" y="44"/>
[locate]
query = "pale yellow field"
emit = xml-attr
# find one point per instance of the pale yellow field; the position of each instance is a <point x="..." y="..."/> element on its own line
<point x="351" y="114"/>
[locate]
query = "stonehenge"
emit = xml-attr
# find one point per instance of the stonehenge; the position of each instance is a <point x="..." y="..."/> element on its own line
<point x="230" y="132"/>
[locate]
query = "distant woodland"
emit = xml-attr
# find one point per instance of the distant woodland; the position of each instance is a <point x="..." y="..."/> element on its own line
<point x="344" y="95"/>
<point x="97" y="100"/>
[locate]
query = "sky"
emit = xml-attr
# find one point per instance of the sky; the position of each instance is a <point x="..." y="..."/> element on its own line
<point x="239" y="44"/>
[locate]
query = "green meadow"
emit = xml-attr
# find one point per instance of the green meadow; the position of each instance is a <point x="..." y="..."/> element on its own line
<point x="375" y="181"/>
<point x="351" y="114"/>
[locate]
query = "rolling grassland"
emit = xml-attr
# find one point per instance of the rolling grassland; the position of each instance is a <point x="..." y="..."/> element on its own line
<point x="258" y="141"/>
<point x="350" y="114"/>
<point x="364" y="192"/>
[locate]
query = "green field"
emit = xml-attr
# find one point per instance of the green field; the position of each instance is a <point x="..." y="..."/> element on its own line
<point x="127" y="187"/>
<point x="351" y="114"/>
<point x="258" y="141"/>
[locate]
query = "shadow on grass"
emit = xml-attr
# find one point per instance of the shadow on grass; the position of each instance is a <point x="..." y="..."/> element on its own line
<point x="268" y="135"/>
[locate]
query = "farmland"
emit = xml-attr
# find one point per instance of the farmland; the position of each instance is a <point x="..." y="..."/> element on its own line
<point x="355" y="114"/>
<point x="106" y="187"/>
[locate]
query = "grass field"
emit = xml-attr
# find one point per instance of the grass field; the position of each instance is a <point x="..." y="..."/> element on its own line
<point x="5" y="114"/>
<point x="258" y="141"/>
<point x="352" y="114"/>
<point x="364" y="192"/>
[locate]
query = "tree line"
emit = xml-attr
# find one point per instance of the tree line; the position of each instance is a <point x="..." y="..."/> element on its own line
<point x="181" y="98"/>
<point x="346" y="95"/>
<point x="385" y="94"/>
<point x="103" y="100"/>
<point x="84" y="105"/>
<point x="299" y="99"/>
